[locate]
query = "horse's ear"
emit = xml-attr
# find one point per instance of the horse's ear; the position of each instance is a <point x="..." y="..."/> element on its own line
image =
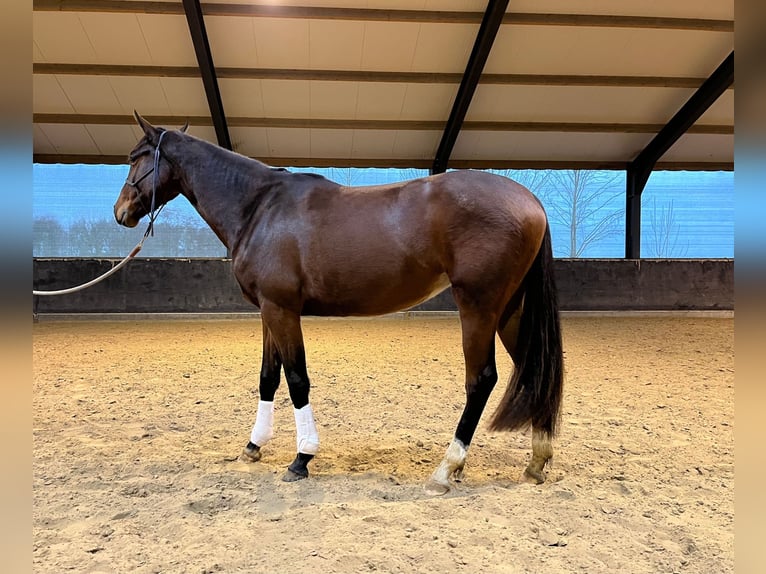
<point x="150" y="131"/>
<point x="186" y="127"/>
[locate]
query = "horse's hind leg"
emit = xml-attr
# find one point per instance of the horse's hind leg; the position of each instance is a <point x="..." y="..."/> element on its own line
<point x="542" y="452"/>
<point x="542" y="449"/>
<point x="481" y="376"/>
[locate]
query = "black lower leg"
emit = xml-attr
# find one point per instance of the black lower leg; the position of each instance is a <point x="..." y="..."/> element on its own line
<point x="252" y="452"/>
<point x="269" y="384"/>
<point x="477" y="395"/>
<point x="298" y="381"/>
<point x="298" y="469"/>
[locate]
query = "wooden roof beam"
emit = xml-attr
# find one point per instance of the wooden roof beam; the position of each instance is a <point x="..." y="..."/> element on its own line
<point x="386" y="15"/>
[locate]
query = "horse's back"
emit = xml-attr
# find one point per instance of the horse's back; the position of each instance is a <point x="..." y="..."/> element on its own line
<point x="377" y="249"/>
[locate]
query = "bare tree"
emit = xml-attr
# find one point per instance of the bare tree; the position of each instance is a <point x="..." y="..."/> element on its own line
<point x="535" y="180"/>
<point x="347" y="176"/>
<point x="408" y="173"/>
<point x="583" y="202"/>
<point x="665" y="232"/>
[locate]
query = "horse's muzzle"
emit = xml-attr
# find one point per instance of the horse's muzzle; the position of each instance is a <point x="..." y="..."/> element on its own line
<point x="121" y="214"/>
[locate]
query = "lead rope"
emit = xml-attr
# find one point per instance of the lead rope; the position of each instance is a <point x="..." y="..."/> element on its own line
<point x="135" y="250"/>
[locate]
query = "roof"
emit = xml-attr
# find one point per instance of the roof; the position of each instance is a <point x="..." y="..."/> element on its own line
<point x="566" y="83"/>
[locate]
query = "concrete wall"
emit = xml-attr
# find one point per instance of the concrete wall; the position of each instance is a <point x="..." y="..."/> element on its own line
<point x="207" y="285"/>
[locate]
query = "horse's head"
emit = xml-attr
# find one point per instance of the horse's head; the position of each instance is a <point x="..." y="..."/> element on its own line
<point x="152" y="180"/>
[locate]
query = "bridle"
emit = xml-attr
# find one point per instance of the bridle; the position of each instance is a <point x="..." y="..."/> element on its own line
<point x="149" y="230"/>
<point x="152" y="212"/>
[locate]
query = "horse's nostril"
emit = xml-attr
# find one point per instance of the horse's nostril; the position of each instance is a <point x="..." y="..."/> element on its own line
<point x="121" y="215"/>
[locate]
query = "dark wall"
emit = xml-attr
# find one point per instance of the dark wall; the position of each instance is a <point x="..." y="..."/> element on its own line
<point x="206" y="285"/>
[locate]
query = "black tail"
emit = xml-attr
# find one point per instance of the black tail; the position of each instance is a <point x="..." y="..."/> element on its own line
<point x="534" y="391"/>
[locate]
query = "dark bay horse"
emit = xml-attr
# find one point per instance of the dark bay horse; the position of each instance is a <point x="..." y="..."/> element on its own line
<point x="303" y="245"/>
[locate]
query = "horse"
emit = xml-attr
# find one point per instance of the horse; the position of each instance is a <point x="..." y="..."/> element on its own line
<point x="301" y="244"/>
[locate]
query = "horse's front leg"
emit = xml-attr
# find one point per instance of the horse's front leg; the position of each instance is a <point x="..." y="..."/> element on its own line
<point x="285" y="328"/>
<point x="263" y="429"/>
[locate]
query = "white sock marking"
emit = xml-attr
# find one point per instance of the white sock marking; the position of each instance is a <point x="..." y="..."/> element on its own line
<point x="453" y="459"/>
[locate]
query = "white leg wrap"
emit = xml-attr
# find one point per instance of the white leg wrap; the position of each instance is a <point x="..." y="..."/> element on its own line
<point x="306" y="429"/>
<point x="263" y="430"/>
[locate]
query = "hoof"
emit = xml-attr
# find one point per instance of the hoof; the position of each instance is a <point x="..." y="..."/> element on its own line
<point x="298" y="469"/>
<point x="292" y="476"/>
<point x="251" y="453"/>
<point x="532" y="476"/>
<point x="434" y="488"/>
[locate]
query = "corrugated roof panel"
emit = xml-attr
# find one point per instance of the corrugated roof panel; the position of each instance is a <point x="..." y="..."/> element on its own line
<point x="577" y="103"/>
<point x="701" y="147"/>
<point x="720" y="9"/>
<point x="330" y="143"/>
<point x="607" y="51"/>
<point x="721" y="112"/>
<point x="40" y="140"/>
<point x="90" y="94"/>
<point x="373" y="143"/>
<point x="143" y="94"/>
<point x="336" y="44"/>
<point x="443" y="47"/>
<point x="288" y="142"/>
<point x="168" y="40"/>
<point x="389" y="45"/>
<point x="70" y="138"/>
<point x="416" y="144"/>
<point x="286" y="98"/>
<point x="242" y="97"/>
<point x="48" y="97"/>
<point x="115" y="140"/>
<point x="282" y="42"/>
<point x="117" y="38"/>
<point x="551" y="146"/>
<point x="380" y="101"/>
<point x="251" y="142"/>
<point x="232" y="41"/>
<point x="333" y="99"/>
<point x="61" y="37"/>
<point x="428" y="101"/>
<point x="163" y="41"/>
<point x="185" y="96"/>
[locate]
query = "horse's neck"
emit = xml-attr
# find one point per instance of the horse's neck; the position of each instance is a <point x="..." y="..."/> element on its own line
<point x="222" y="188"/>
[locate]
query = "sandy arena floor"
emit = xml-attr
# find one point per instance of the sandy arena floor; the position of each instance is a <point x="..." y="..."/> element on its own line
<point x="138" y="425"/>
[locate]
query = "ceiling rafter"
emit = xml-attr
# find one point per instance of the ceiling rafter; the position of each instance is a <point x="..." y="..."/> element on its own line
<point x="386" y="15"/>
<point x="307" y="162"/>
<point x="490" y="24"/>
<point x="639" y="170"/>
<point x="366" y="76"/>
<point x="684" y="120"/>
<point x="365" y="124"/>
<point x="196" y="22"/>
